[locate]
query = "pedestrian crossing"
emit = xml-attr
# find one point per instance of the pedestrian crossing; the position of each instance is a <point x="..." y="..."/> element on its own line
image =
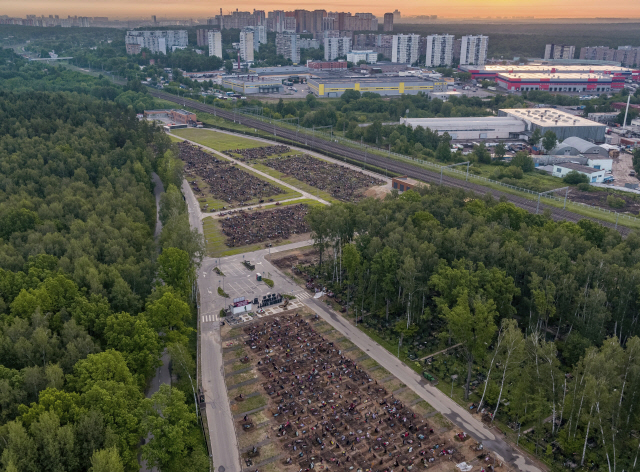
<point x="302" y="295"/>
<point x="209" y="318"/>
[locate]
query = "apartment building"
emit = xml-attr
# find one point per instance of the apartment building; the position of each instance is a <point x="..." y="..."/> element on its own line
<point x="474" y="50"/>
<point x="370" y="57"/>
<point x="388" y="22"/>
<point x="247" y="44"/>
<point x="288" y="44"/>
<point x="559" y="51"/>
<point x="439" y="50"/>
<point x="336" y="47"/>
<point x="405" y="48"/>
<point x="156" y="41"/>
<point x="214" y="40"/>
<point x="628" y="56"/>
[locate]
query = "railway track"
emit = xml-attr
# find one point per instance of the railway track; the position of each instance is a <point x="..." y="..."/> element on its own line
<point x="404" y="168"/>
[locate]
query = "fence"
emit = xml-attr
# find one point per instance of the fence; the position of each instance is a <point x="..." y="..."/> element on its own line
<point x="445" y="169"/>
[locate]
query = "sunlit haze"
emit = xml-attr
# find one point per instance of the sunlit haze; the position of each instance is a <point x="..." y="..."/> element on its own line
<point x="451" y="9"/>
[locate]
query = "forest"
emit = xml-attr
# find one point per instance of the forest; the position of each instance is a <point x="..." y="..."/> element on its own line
<point x="88" y="299"/>
<point x="545" y="313"/>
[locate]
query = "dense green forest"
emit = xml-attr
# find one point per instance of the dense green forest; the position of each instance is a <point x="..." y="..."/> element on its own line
<point x="529" y="39"/>
<point x="86" y="303"/>
<point x="546" y="311"/>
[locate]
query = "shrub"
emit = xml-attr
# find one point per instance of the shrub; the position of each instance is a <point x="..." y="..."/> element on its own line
<point x="574" y="178"/>
<point x="615" y="202"/>
<point x="585" y="187"/>
<point x="269" y="282"/>
<point x="222" y="313"/>
<point x="222" y="293"/>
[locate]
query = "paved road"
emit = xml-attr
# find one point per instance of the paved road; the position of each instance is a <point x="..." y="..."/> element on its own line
<point x="163" y="376"/>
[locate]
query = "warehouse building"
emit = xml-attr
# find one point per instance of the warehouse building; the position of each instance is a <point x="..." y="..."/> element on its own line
<point x="594" y="175"/>
<point x="564" y="125"/>
<point x="593" y="83"/>
<point x="251" y="85"/>
<point x="387" y="86"/>
<point x="488" y="127"/>
<point x="575" y="146"/>
<point x="490" y="72"/>
<point x="283" y="72"/>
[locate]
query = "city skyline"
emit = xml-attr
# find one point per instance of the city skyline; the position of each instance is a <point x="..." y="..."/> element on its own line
<point x="201" y="8"/>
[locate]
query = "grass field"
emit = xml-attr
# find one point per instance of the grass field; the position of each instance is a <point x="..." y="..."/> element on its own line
<point x="216" y="140"/>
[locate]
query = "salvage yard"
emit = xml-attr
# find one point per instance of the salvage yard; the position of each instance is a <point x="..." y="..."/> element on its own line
<point x="316" y="408"/>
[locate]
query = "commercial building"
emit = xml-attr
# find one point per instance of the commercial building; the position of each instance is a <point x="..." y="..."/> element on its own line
<point x="473" y="50"/>
<point x="288" y="44"/>
<point x="490" y="72"/>
<point x="563" y="124"/>
<point x="215" y="43"/>
<point x="439" y="50"/>
<point x="559" y="51"/>
<point x="246" y="45"/>
<point x="594" y="175"/>
<point x="388" y="22"/>
<point x="157" y="41"/>
<point x="489" y="127"/>
<point x="387" y="86"/>
<point x="251" y="85"/>
<point x="405" y="48"/>
<point x="336" y="47"/>
<point x="327" y="65"/>
<point x="371" y="57"/>
<point x="592" y="83"/>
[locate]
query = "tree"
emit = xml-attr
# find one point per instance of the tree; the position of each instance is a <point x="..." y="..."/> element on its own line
<point x="500" y="150"/>
<point x="574" y="177"/>
<point x="511" y="354"/>
<point x="471" y="323"/>
<point x="536" y="136"/>
<point x="482" y="154"/>
<point x="176" y="269"/>
<point x="168" y="419"/>
<point x="168" y="316"/>
<point x="523" y="161"/>
<point x="228" y="66"/>
<point x="549" y="141"/>
<point x="106" y="460"/>
<point x="443" y="152"/>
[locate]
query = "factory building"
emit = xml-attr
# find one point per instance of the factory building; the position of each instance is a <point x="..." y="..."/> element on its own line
<point x="439" y="50"/>
<point x="488" y="127"/>
<point x="490" y="72"/>
<point x="564" y="125"/>
<point x="523" y="82"/>
<point x="386" y="86"/>
<point x="251" y="85"/>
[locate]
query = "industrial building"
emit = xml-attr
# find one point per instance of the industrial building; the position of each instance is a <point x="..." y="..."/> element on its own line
<point x="564" y="125"/>
<point x="603" y="117"/>
<point x="214" y="39"/>
<point x="283" y="72"/>
<point x="155" y="41"/>
<point x="490" y="72"/>
<point x="474" y="50"/>
<point x="439" y="50"/>
<point x="594" y="175"/>
<point x="488" y="127"/>
<point x="405" y="48"/>
<point x="575" y="146"/>
<point x="386" y="86"/>
<point x="592" y="83"/>
<point x="559" y="51"/>
<point x="371" y="57"/>
<point x="327" y="65"/>
<point x="251" y="85"/>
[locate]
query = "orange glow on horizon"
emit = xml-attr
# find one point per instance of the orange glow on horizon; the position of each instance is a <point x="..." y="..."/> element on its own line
<point x="205" y="8"/>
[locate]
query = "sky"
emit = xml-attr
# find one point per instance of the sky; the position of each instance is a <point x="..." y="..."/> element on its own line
<point x="207" y="8"/>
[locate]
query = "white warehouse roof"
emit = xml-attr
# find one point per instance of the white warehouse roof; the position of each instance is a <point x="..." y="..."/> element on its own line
<point x="493" y="126"/>
<point x="549" y="117"/>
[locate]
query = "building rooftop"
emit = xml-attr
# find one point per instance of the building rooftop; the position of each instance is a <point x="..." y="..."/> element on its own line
<point x="480" y="123"/>
<point x="579" y="168"/>
<point x="540" y="75"/>
<point x="549" y="68"/>
<point x="281" y="70"/>
<point x="549" y="117"/>
<point x="256" y="80"/>
<point x="365" y="80"/>
<point x="580" y="144"/>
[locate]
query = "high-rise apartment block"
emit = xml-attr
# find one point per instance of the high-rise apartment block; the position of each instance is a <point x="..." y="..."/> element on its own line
<point x="336" y="47"/>
<point x="405" y="48"/>
<point x="288" y="44"/>
<point x="156" y="41"/>
<point x="239" y="19"/>
<point x="202" y="37"/>
<point x="247" y="45"/>
<point x="559" y="51"/>
<point x="214" y="39"/>
<point x="628" y="56"/>
<point x="439" y="50"/>
<point x="474" y="50"/>
<point x="388" y="22"/>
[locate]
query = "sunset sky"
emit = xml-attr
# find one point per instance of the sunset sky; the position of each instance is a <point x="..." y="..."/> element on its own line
<point x="205" y="8"/>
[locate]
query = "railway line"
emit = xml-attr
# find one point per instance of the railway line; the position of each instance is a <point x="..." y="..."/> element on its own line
<point x="558" y="214"/>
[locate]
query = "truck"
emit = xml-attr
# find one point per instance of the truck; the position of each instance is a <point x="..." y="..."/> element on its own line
<point x="492" y="88"/>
